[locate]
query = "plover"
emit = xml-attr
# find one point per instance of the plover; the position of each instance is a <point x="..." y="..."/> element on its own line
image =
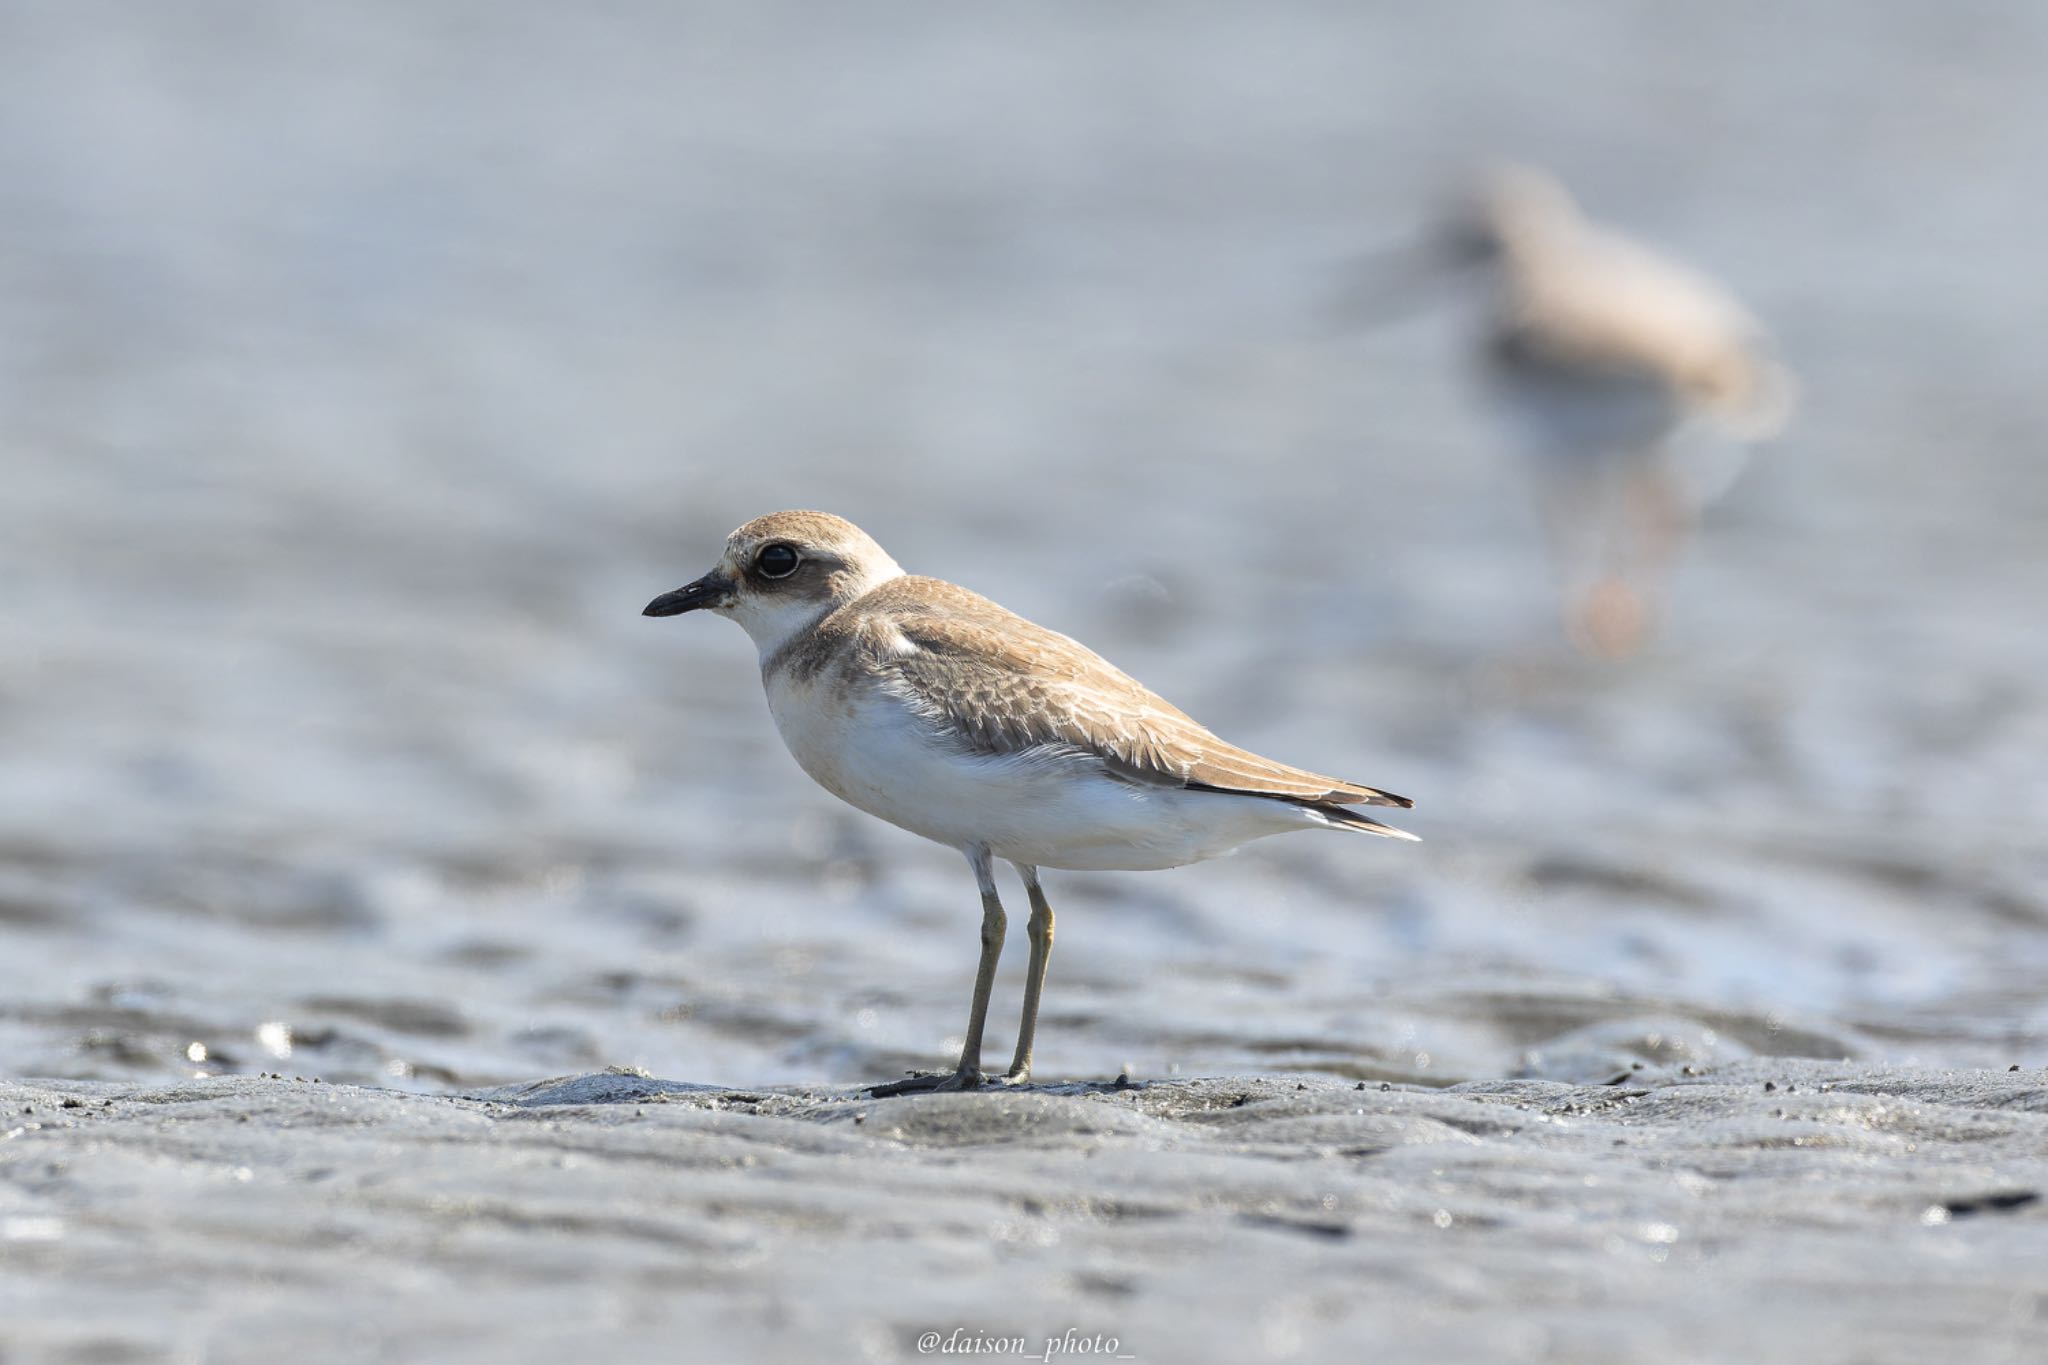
<point x="1599" y="351"/>
<point x="940" y="712"/>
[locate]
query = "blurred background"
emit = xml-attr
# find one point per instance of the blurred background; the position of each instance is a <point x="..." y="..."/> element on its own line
<point x="364" y="370"/>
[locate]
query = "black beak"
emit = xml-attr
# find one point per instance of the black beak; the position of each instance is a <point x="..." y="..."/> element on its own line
<point x="709" y="591"/>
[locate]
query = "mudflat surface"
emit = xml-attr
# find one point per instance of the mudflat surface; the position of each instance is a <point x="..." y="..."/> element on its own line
<point x="364" y="371"/>
<point x="335" y="739"/>
<point x="1766" y="1211"/>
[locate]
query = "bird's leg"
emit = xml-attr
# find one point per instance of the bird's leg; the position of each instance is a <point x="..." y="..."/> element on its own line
<point x="1659" y="519"/>
<point x="1618" y="612"/>
<point x="1034" y="976"/>
<point x="993" y="925"/>
<point x="1588" y="518"/>
<point x="1569" y="498"/>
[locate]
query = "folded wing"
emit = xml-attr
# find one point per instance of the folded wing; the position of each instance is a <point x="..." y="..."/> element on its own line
<point x="1006" y="688"/>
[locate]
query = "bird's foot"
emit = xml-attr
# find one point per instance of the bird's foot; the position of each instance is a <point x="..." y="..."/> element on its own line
<point x="930" y="1082"/>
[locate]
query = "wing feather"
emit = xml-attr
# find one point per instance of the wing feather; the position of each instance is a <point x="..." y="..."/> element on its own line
<point x="1001" y="684"/>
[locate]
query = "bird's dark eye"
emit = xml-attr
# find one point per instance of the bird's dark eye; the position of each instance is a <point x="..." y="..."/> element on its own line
<point x="777" y="561"/>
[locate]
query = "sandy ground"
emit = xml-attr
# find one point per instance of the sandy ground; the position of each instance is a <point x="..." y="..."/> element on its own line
<point x="1766" y="1212"/>
<point x="365" y="369"/>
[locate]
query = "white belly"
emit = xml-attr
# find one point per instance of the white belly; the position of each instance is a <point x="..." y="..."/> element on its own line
<point x="1047" y="807"/>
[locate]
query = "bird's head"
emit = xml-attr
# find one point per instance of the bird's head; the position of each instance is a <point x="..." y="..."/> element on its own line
<point x="1504" y="213"/>
<point x="1506" y="208"/>
<point x="783" y="572"/>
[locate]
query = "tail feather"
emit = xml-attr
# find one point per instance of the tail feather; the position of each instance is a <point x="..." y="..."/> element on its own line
<point x="1344" y="817"/>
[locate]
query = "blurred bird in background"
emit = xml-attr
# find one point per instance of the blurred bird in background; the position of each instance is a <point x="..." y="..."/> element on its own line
<point x="1601" y="354"/>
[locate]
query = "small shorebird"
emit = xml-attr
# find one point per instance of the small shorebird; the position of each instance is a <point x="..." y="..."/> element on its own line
<point x="1600" y="351"/>
<point x="937" y="710"/>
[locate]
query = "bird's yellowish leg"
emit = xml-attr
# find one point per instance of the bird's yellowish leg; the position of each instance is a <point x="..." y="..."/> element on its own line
<point x="994" y="923"/>
<point x="1034" y="977"/>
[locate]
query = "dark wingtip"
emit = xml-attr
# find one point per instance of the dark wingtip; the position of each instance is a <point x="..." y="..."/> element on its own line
<point x="1368" y="796"/>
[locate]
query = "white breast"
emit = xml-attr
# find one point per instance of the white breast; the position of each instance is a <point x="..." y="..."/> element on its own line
<point x="1050" y="806"/>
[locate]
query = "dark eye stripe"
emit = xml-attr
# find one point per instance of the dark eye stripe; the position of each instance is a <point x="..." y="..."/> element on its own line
<point x="777" y="561"/>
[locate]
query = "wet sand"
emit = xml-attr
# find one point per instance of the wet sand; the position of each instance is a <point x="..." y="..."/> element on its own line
<point x="1767" y="1211"/>
<point x="362" y="376"/>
